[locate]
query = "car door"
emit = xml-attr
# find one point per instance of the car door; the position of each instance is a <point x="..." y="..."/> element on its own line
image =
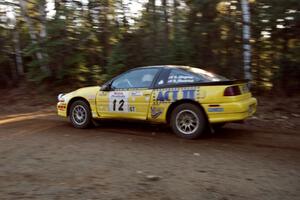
<point x="172" y="85"/>
<point x="129" y="95"/>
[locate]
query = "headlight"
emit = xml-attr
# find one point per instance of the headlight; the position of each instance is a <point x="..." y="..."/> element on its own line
<point x="60" y="97"/>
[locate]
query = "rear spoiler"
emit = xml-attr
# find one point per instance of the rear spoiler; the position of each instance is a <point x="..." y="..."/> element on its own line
<point x="229" y="82"/>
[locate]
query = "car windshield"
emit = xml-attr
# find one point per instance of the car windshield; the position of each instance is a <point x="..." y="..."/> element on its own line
<point x="205" y="75"/>
<point x="138" y="78"/>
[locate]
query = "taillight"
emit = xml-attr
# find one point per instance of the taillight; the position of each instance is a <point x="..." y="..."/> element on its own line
<point x="232" y="91"/>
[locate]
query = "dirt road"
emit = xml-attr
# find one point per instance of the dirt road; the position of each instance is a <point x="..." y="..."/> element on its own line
<point x="43" y="157"/>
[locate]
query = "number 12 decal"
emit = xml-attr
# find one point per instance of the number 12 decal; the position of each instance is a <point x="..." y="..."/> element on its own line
<point x="118" y="101"/>
<point x="118" y="105"/>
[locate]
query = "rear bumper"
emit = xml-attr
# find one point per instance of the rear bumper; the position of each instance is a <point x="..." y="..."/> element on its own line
<point x="233" y="111"/>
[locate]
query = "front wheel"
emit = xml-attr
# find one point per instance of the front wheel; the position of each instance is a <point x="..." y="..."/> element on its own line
<point x="188" y="121"/>
<point x="80" y="114"/>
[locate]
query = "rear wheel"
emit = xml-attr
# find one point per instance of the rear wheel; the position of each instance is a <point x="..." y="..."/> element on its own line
<point x="188" y="121"/>
<point x="80" y="114"/>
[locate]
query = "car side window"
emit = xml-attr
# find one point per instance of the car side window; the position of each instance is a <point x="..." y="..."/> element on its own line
<point x="178" y="76"/>
<point x="140" y="78"/>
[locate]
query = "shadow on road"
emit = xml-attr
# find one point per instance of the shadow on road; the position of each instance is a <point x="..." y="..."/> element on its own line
<point x="146" y="129"/>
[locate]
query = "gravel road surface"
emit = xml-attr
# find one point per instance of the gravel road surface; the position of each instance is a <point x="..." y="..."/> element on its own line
<point x="43" y="157"/>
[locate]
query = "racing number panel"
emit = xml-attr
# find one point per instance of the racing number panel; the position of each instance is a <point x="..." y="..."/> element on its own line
<point x="129" y="103"/>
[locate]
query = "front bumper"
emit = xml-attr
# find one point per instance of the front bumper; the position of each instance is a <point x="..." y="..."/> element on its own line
<point x="62" y="109"/>
<point x="233" y="111"/>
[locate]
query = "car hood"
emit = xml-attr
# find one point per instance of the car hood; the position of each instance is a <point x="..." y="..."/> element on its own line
<point x="86" y="92"/>
<point x="88" y="89"/>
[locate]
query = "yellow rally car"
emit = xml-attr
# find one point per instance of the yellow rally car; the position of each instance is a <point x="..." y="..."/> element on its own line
<point x="189" y="99"/>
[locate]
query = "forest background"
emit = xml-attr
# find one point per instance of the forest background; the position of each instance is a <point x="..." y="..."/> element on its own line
<point x="48" y="44"/>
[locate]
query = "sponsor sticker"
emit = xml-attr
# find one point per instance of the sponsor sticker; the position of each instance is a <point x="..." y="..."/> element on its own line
<point x="136" y="93"/>
<point x="62" y="107"/>
<point x="91" y="97"/>
<point x="173" y="94"/>
<point x="215" y="109"/>
<point x="131" y="108"/>
<point x="156" y="112"/>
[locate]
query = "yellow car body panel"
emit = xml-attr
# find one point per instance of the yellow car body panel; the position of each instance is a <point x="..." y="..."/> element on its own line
<point x="153" y="104"/>
<point x="128" y="104"/>
<point x="87" y="93"/>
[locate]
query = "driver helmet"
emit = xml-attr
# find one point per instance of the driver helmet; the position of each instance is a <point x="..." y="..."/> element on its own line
<point x="147" y="78"/>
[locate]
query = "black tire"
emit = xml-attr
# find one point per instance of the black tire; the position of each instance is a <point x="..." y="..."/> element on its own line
<point x="80" y="114"/>
<point x="186" y="115"/>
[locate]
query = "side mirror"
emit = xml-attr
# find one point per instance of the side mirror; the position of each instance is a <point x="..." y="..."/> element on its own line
<point x="105" y="87"/>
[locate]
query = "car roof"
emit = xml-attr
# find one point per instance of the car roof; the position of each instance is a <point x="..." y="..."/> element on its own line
<point x="164" y="66"/>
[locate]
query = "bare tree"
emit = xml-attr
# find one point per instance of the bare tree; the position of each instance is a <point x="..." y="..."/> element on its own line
<point x="166" y="21"/>
<point x="19" y="61"/>
<point x="246" y="39"/>
<point x="32" y="33"/>
<point x="11" y="24"/>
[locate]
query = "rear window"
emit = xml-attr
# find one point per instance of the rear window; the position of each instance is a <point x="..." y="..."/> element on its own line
<point x="180" y="76"/>
<point x="189" y="75"/>
<point x="206" y="76"/>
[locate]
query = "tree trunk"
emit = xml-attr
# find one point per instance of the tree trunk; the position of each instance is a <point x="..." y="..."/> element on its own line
<point x="246" y="39"/>
<point x="104" y="34"/>
<point x="125" y="21"/>
<point x="166" y="20"/>
<point x="18" y="55"/>
<point x="13" y="71"/>
<point x="33" y="36"/>
<point x="175" y="16"/>
<point x="43" y="35"/>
